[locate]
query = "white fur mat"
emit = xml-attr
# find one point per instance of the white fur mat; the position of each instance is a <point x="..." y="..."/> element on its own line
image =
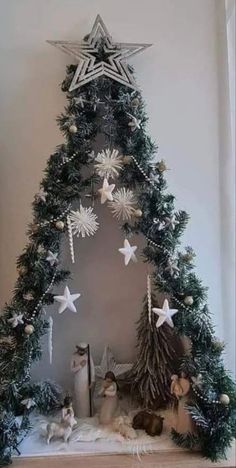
<point x="88" y="437"/>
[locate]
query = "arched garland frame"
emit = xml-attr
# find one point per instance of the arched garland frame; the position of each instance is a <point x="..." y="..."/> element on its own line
<point x="106" y="106"/>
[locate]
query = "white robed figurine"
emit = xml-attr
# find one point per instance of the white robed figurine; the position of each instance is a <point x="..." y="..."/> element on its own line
<point x="84" y="377"/>
<point x="109" y="406"/>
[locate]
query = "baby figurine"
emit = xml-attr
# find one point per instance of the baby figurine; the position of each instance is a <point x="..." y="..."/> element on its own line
<point x="67" y="412"/>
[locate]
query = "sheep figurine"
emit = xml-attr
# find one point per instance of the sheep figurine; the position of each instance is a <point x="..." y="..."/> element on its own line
<point x="123" y="425"/>
<point x="61" y="429"/>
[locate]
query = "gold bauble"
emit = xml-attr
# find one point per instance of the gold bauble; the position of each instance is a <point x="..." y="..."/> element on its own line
<point x="22" y="270"/>
<point x="218" y="345"/>
<point x="161" y="166"/>
<point x="138" y="213"/>
<point x="60" y="225"/>
<point x="135" y="102"/>
<point x="127" y="159"/>
<point x="33" y="227"/>
<point x="187" y="257"/>
<point x="224" y="399"/>
<point x="188" y="300"/>
<point x="73" y="129"/>
<point x="29" y="329"/>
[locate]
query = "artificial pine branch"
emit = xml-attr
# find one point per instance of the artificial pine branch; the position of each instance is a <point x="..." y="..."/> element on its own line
<point x="65" y="183"/>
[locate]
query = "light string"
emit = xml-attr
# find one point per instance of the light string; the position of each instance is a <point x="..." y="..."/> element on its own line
<point x="42" y="297"/>
<point x="217" y="402"/>
<point x="27" y="372"/>
<point x="151" y="182"/>
<point x="67" y="160"/>
<point x="54" y="220"/>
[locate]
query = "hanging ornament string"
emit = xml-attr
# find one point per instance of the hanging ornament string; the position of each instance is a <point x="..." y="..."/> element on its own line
<point x="158" y="246"/>
<point x="71" y="242"/>
<point x="67" y="159"/>
<point x="149" y="299"/>
<point x="216" y="402"/>
<point x="54" y="220"/>
<point x="180" y="303"/>
<point x="50" y="339"/>
<point x="27" y="372"/>
<point x="42" y="297"/>
<point x="148" y="179"/>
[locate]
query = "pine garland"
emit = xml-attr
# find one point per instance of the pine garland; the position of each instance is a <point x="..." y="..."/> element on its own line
<point x="64" y="181"/>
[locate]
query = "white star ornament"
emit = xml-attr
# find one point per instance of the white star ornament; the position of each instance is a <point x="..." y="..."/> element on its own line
<point x="67" y="301"/>
<point x="90" y="67"/>
<point x="128" y="252"/>
<point x="16" y="320"/>
<point x="106" y="191"/>
<point x="165" y="314"/>
<point x="52" y="258"/>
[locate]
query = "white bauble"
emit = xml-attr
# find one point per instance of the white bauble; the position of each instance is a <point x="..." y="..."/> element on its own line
<point x="188" y="300"/>
<point x="224" y="399"/>
<point x="138" y="213"/>
<point x="73" y="129"/>
<point x="29" y="329"/>
<point x="60" y="225"/>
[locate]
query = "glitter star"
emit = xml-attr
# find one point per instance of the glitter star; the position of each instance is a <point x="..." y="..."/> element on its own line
<point x="98" y="55"/>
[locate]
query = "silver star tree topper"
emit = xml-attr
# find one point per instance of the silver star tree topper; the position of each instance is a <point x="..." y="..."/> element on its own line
<point x="91" y="66"/>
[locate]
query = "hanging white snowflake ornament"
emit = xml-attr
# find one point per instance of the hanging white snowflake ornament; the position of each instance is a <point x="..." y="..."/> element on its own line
<point x="83" y="222"/>
<point x="165" y="314"/>
<point x="106" y="191"/>
<point x="123" y="203"/>
<point x="128" y="252"/>
<point x="109" y="163"/>
<point x="16" y="320"/>
<point x="67" y="301"/>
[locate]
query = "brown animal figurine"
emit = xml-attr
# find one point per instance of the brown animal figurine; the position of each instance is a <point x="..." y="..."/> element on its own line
<point x="149" y="421"/>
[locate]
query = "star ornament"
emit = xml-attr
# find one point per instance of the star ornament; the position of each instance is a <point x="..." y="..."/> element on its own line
<point x="52" y="258"/>
<point x="106" y="191"/>
<point x="67" y="301"/>
<point x="108" y="363"/>
<point x="128" y="252"/>
<point x="15" y="320"/>
<point x="28" y="403"/>
<point x="165" y="314"/>
<point x="91" y="66"/>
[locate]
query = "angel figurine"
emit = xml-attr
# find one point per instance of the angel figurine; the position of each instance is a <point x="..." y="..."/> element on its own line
<point x="180" y="387"/>
<point x="67" y="412"/>
<point x="82" y="367"/>
<point x="110" y="399"/>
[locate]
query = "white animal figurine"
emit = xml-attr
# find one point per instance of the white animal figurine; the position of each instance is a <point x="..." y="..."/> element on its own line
<point x="123" y="425"/>
<point x="60" y="430"/>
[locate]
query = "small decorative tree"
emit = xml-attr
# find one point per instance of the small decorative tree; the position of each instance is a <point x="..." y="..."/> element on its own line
<point x="157" y="360"/>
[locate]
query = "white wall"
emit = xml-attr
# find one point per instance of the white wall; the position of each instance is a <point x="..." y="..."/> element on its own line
<point x="178" y="76"/>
